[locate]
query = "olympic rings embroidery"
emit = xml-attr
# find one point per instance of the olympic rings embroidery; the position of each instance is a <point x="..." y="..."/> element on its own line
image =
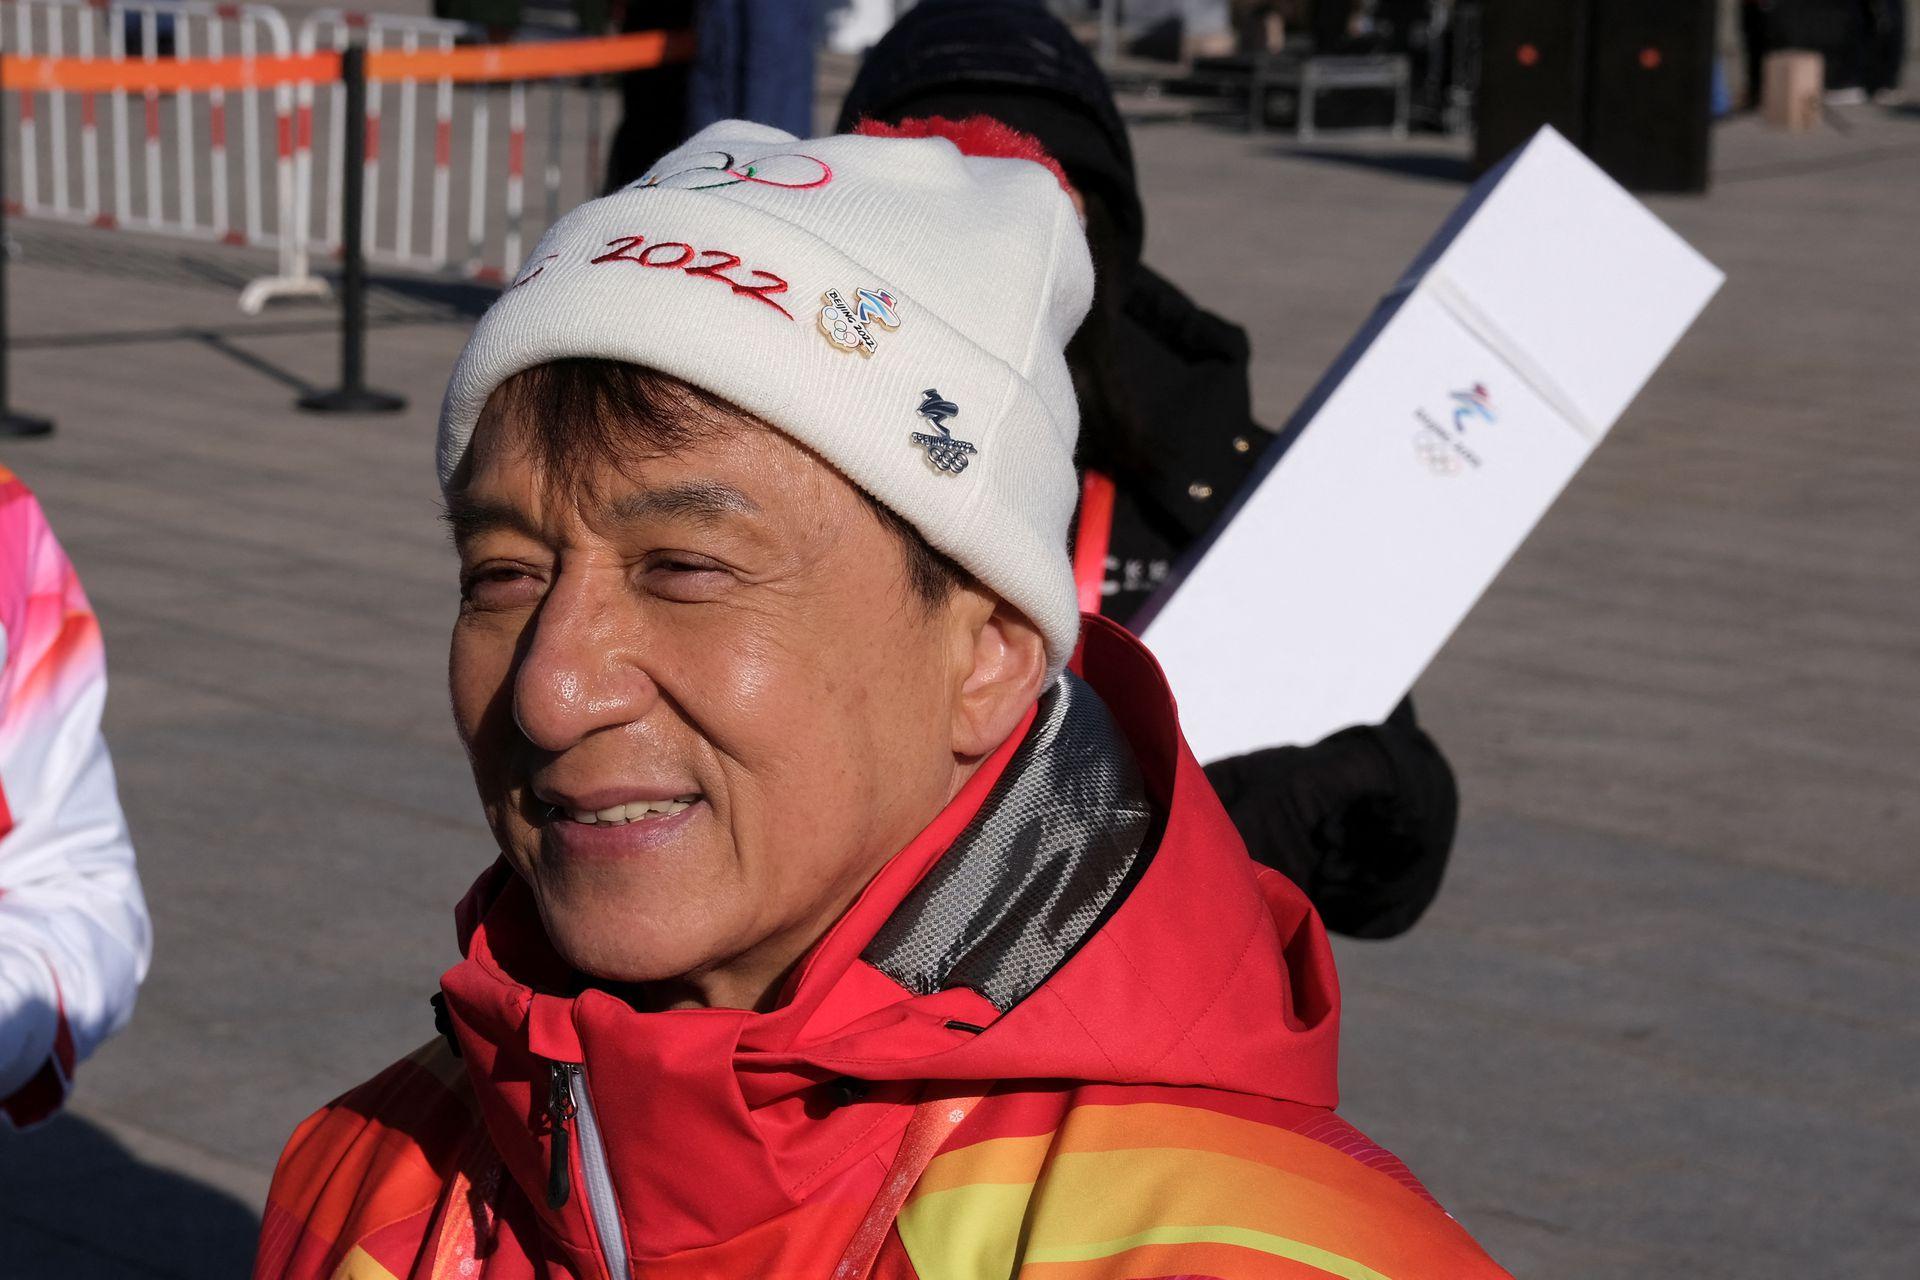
<point x="790" y="170"/>
<point x="529" y="276"/>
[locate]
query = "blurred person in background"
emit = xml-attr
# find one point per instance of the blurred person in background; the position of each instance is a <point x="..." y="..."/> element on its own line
<point x="853" y="25"/>
<point x="859" y="911"/>
<point x="1864" y="42"/>
<point x="1757" y="22"/>
<point x="753" y="60"/>
<point x="653" y="100"/>
<point x="1178" y="29"/>
<point x="1364" y="820"/>
<point x="1331" y="23"/>
<point x="74" y="934"/>
<point x="1886" y="50"/>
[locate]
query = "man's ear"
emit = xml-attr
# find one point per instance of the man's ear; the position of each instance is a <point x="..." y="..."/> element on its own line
<point x="1000" y="664"/>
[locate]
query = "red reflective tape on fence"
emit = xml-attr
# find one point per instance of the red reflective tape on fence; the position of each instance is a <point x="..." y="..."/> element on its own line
<point x="304" y="127"/>
<point x="217" y="125"/>
<point x="153" y="116"/>
<point x="516" y="153"/>
<point x="442" y="143"/>
<point x="26" y="108"/>
<point x="178" y="75"/>
<point x="373" y="139"/>
<point x="543" y="61"/>
<point x="283" y="127"/>
<point x="88" y="119"/>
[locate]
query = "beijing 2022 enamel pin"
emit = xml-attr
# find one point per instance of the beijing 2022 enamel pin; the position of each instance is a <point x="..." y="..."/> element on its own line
<point x="944" y="453"/>
<point x="849" y="326"/>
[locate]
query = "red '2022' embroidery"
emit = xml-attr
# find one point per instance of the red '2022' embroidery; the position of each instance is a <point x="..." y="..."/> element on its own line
<point x="677" y="255"/>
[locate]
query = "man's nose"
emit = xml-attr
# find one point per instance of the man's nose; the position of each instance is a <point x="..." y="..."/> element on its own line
<point x="580" y="672"/>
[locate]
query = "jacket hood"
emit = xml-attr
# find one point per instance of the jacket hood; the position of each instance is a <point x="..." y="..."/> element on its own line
<point x="1083" y="912"/>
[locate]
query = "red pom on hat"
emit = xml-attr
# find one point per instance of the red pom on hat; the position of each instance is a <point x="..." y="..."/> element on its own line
<point x="975" y="136"/>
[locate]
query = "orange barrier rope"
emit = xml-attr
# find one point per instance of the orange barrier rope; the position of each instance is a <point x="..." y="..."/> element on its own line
<point x="172" y="75"/>
<point x="535" y="61"/>
<point x="541" y="61"/>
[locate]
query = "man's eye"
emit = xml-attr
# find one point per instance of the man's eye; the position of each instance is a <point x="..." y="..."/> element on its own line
<point x="685" y="577"/>
<point x="499" y="586"/>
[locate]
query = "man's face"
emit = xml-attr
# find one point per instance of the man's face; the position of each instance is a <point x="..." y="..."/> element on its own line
<point x="701" y="703"/>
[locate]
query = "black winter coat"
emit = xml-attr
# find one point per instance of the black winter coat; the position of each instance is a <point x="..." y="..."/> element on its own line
<point x="1364" y="820"/>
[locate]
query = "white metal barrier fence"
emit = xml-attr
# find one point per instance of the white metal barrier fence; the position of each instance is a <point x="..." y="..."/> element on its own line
<point x="193" y="64"/>
<point x="335" y="29"/>
<point x="202" y="186"/>
<point x="421" y="131"/>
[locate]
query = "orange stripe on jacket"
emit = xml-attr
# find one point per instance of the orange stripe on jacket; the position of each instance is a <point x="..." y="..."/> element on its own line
<point x="1178" y="1181"/>
<point x="346" y="1174"/>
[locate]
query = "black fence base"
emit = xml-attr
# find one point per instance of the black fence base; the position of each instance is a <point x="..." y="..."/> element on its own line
<point x="24" y="424"/>
<point x="352" y="400"/>
<point x="353" y="395"/>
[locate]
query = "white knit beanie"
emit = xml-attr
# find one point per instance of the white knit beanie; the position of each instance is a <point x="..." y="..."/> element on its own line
<point x="896" y="306"/>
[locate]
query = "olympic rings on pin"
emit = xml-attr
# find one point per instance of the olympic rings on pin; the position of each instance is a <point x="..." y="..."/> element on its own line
<point x="1437" y="452"/>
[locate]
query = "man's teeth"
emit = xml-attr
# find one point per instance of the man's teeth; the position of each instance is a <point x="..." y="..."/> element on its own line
<point x="621" y="814"/>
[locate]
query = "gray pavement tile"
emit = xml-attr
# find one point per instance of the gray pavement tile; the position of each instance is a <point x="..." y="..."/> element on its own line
<point x="245" y="1112"/>
<point x="341" y="686"/>
<point x="1734" y="1219"/>
<point x="1519" y="876"/>
<point x="59" y="1184"/>
<point x="139" y="700"/>
<point x="39" y="1249"/>
<point x="342" y="768"/>
<point x="1688" y="1033"/>
<point x="1527" y="1247"/>
<point x="1589" y="1145"/>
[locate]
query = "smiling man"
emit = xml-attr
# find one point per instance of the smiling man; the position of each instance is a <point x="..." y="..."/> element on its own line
<point x="856" y="914"/>
<point x="708" y="686"/>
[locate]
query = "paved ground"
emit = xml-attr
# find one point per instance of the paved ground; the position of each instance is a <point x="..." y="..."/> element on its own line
<point x="1664" y="1019"/>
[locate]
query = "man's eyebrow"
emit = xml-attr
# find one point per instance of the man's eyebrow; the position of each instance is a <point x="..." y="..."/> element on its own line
<point x="705" y="501"/>
<point x="468" y="518"/>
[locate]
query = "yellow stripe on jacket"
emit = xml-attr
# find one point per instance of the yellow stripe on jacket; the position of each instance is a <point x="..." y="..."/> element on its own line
<point x="1158" y="1189"/>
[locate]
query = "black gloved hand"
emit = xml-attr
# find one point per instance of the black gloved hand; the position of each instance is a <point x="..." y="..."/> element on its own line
<point x="1363" y="820"/>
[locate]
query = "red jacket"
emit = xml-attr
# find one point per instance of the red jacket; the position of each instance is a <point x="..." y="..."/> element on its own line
<point x="1071" y="1031"/>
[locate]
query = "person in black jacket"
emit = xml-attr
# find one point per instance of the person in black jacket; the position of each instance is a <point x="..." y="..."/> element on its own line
<point x="1885" y="55"/>
<point x="1364" y="820"/>
<point x="653" y="100"/>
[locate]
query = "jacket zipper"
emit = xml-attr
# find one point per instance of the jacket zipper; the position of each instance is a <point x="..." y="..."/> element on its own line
<point x="568" y="1104"/>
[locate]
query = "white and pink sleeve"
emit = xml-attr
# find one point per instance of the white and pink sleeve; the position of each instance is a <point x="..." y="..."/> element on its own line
<point x="75" y="939"/>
